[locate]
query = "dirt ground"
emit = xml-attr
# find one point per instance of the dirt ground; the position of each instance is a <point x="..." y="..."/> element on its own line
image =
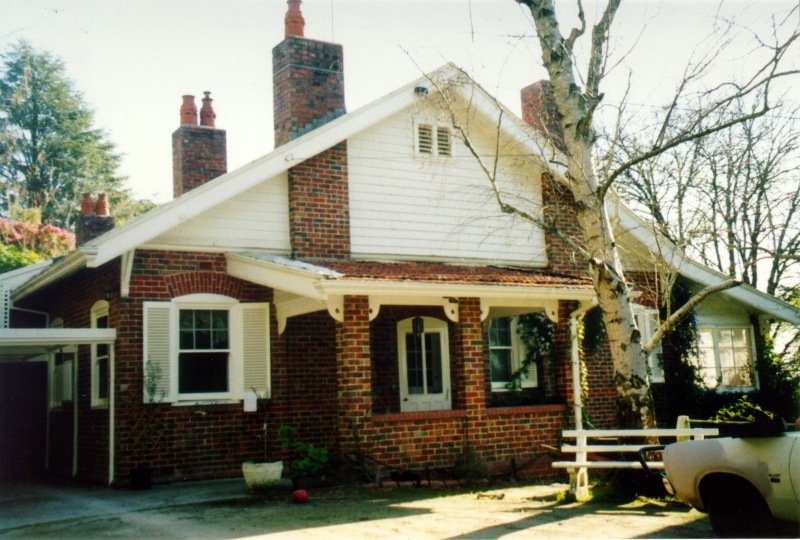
<point x="358" y="513"/>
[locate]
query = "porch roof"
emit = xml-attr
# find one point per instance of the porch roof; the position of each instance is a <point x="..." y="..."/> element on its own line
<point x="452" y="274"/>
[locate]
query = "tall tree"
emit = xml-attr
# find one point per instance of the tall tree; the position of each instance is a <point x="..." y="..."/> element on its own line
<point x="49" y="151"/>
<point x="576" y="89"/>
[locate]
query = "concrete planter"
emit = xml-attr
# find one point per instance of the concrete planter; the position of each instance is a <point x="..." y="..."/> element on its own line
<point x="262" y="475"/>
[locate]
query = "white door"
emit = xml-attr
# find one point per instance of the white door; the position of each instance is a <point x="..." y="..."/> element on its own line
<point x="424" y="361"/>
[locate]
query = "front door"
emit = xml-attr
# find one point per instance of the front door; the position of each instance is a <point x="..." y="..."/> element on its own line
<point x="424" y="359"/>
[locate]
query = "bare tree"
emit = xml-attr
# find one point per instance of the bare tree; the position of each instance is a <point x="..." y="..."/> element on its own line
<point x="577" y="94"/>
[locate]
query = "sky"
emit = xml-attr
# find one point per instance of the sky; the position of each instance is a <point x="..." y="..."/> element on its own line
<point x="133" y="59"/>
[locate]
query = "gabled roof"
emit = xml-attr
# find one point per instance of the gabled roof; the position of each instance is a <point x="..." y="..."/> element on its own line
<point x="123" y="240"/>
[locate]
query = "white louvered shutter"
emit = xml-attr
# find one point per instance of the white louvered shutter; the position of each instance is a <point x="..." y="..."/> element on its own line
<point x="255" y="348"/>
<point x="158" y="348"/>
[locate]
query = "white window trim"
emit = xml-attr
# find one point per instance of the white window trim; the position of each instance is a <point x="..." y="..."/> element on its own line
<point x="517" y="358"/>
<point x="715" y="328"/>
<point x="99" y="309"/>
<point x="408" y="403"/>
<point x="213" y="302"/>
<point x="435" y="151"/>
<point x="647" y="327"/>
<point x="238" y="349"/>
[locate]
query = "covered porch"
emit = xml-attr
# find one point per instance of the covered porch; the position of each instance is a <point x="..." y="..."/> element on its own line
<point x="412" y="382"/>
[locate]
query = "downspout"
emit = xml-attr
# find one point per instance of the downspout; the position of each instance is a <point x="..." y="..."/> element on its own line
<point x="574" y="317"/>
<point x="75" y="416"/>
<point x="111" y="410"/>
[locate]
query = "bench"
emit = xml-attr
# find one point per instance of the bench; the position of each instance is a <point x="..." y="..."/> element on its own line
<point x="596" y="442"/>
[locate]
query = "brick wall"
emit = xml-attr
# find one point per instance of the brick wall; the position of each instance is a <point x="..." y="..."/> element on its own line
<point x="319" y="207"/>
<point x="199" y="154"/>
<point x="308" y="85"/>
<point x="560" y="211"/>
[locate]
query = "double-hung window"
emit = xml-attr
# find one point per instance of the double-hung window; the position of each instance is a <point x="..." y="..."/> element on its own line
<point x="726" y="358"/>
<point x="507" y="354"/>
<point x="205" y="347"/>
<point x="100" y="358"/>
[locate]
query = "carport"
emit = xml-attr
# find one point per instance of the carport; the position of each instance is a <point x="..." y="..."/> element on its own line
<point x="25" y="390"/>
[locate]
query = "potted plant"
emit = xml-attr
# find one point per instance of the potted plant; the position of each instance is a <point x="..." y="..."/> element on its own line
<point x="310" y="469"/>
<point x="262" y="474"/>
<point x="147" y="426"/>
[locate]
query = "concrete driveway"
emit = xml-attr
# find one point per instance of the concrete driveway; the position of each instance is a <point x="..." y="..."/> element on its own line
<point x="225" y="509"/>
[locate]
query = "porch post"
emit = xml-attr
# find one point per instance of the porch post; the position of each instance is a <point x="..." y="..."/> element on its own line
<point x="353" y="376"/>
<point x="470" y="389"/>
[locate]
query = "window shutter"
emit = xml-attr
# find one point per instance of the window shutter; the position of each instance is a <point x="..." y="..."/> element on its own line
<point x="443" y="141"/>
<point x="158" y="350"/>
<point x="424" y="139"/>
<point x="654" y="360"/>
<point x="255" y="348"/>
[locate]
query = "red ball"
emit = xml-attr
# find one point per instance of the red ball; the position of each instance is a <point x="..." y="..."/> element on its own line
<point x="300" y="496"/>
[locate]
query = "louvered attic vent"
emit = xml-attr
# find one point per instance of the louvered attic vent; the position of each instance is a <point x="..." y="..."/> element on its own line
<point x="433" y="140"/>
<point x="425" y="139"/>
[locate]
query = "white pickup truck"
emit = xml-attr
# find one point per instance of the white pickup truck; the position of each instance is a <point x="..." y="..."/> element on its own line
<point x="747" y="485"/>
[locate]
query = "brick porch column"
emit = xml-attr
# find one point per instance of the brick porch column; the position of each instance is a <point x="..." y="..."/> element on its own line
<point x="469" y="391"/>
<point x="353" y="376"/>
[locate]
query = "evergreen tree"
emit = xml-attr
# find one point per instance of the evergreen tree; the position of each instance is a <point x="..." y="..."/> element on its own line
<point x="49" y="151"/>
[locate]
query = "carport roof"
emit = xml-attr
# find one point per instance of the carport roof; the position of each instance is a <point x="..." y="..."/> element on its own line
<point x="21" y="344"/>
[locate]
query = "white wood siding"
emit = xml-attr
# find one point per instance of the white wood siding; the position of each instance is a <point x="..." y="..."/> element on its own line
<point x="256" y="219"/>
<point x="438" y="208"/>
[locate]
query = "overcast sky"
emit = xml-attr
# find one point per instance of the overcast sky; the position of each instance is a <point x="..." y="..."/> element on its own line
<point x="134" y="59"/>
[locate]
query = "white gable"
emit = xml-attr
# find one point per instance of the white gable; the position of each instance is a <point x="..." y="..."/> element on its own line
<point x="412" y="206"/>
<point x="256" y="219"/>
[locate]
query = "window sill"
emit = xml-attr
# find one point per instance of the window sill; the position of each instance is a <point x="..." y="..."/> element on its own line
<point x="421" y="415"/>
<point x="198" y="402"/>
<point x="534" y="409"/>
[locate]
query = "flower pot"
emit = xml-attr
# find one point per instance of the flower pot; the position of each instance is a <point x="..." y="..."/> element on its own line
<point x="141" y="478"/>
<point x="262" y="475"/>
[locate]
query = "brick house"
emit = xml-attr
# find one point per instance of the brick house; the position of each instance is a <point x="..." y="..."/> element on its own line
<point x="361" y="273"/>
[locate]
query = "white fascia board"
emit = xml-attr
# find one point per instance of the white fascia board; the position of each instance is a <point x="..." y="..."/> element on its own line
<point x="62" y="268"/>
<point x="15" y="278"/>
<point x="56" y="337"/>
<point x="158" y="221"/>
<point x="389" y="288"/>
<point x="634" y="225"/>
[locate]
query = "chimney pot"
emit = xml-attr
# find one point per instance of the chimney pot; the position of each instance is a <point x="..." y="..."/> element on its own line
<point x="294" y="21"/>
<point x="207" y="114"/>
<point x="102" y="208"/>
<point x="87" y="204"/>
<point x="188" y="111"/>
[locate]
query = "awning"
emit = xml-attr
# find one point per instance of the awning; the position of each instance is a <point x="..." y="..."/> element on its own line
<point x="22" y="344"/>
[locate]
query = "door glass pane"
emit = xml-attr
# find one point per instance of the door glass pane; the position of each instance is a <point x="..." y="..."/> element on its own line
<point x="433" y="363"/>
<point x="414" y="366"/>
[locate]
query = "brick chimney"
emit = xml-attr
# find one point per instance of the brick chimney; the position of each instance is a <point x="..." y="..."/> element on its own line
<point x="308" y="80"/>
<point x="94" y="220"/>
<point x="539" y="112"/>
<point x="199" y="152"/>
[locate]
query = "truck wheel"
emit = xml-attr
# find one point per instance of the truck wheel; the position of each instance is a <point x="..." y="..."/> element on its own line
<point x="737" y="510"/>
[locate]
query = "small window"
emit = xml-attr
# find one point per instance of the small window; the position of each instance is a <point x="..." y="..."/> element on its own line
<point x="726" y="358"/>
<point x="100" y="358"/>
<point x="433" y="140"/>
<point x="506" y="355"/>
